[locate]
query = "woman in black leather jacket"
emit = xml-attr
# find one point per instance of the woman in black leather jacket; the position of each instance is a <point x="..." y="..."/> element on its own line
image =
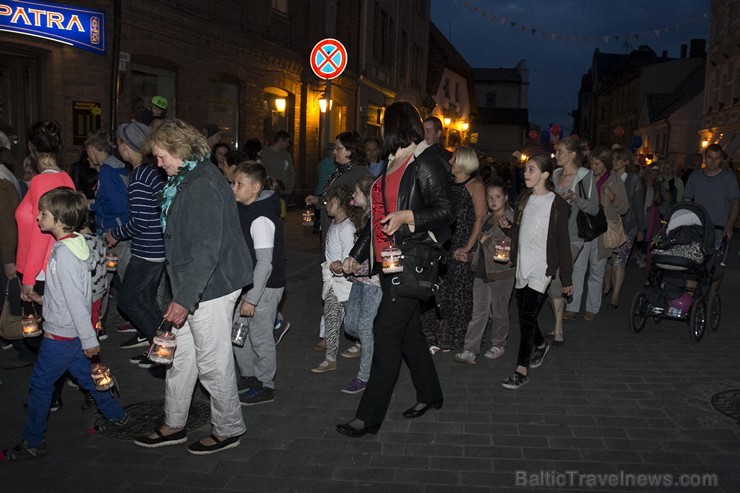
<point x="414" y="204"/>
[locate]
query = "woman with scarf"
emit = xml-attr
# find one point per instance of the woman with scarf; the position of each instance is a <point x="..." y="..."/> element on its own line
<point x="593" y="256"/>
<point x="199" y="215"/>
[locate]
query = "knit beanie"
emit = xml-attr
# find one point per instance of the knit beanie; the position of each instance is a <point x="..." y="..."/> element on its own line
<point x="133" y="134"/>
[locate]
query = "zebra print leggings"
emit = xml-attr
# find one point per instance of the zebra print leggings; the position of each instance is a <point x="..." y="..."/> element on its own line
<point x="333" y="316"/>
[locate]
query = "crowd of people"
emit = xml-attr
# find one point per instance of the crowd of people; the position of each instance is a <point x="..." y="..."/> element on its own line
<point x="163" y="189"/>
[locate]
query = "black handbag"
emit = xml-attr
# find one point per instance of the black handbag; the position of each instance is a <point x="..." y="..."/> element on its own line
<point x="590" y="226"/>
<point x="420" y="261"/>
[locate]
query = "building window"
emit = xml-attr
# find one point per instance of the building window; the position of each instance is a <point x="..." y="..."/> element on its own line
<point x="384" y="35"/>
<point x="280" y="5"/>
<point x="491" y="100"/>
<point x="223" y="108"/>
<point x="149" y="81"/>
<point x="416" y="55"/>
<point x="446" y="88"/>
<point x="402" y="61"/>
<point x="457" y="92"/>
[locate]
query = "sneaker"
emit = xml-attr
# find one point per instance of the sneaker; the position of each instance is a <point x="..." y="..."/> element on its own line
<point x="320" y="346"/>
<point x="244" y="384"/>
<point x="352" y="352"/>
<point x="325" y="366"/>
<point x="434" y="350"/>
<point x="89" y="402"/>
<point x="72" y="383"/>
<point x="24" y="451"/>
<point x="146" y="363"/>
<point x="281" y="328"/>
<point x="102" y="335"/>
<point x="538" y="355"/>
<point x="135" y="360"/>
<point x="125" y="328"/>
<point x="56" y="405"/>
<point x="252" y="397"/>
<point x="135" y="341"/>
<point x="568" y="315"/>
<point x="589" y="316"/>
<point x="465" y="357"/>
<point x="495" y="352"/>
<point x="105" y="424"/>
<point x="515" y="381"/>
<point x="355" y="386"/>
<point x="7" y="345"/>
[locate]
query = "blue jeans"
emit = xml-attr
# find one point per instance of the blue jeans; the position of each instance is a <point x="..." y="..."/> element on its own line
<point x="54" y="359"/>
<point x="359" y="315"/>
<point x="138" y="296"/>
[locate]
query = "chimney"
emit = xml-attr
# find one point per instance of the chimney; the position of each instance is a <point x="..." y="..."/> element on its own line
<point x="684" y="48"/>
<point x="698" y="48"/>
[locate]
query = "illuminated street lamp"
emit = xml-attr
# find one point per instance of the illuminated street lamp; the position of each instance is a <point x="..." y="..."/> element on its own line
<point x="280" y="105"/>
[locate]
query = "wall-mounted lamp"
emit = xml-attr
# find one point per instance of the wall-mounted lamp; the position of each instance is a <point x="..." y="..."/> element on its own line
<point x="280" y="104"/>
<point x="465" y="126"/>
<point x="704" y="143"/>
<point x="447" y="120"/>
<point x="322" y="104"/>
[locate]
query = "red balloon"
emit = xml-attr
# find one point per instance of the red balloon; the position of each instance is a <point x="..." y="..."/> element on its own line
<point x="619" y="132"/>
<point x="533" y="134"/>
<point x="555" y="129"/>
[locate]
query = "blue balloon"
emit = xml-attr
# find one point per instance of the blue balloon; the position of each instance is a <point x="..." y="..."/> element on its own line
<point x="637" y="141"/>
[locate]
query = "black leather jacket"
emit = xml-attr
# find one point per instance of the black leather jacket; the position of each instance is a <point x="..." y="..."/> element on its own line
<point x="424" y="189"/>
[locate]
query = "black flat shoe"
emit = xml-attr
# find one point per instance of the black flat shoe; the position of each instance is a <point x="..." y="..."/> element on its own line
<point x="347" y="430"/>
<point x="412" y="412"/>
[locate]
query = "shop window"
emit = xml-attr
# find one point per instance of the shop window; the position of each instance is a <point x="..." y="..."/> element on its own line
<point x="147" y="81"/>
<point x="223" y="108"/>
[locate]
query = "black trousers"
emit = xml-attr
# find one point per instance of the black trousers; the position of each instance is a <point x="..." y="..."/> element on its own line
<point x="398" y="336"/>
<point x="528" y="302"/>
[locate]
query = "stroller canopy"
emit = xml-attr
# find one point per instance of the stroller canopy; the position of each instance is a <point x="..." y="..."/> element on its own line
<point x="694" y="215"/>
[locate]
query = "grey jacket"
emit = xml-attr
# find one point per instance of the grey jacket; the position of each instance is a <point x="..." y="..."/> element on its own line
<point x="205" y="252"/>
<point x="67" y="292"/>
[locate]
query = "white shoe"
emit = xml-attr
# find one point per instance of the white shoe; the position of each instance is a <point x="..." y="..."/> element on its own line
<point x="352" y="352"/>
<point x="495" y="352"/>
<point x="465" y="357"/>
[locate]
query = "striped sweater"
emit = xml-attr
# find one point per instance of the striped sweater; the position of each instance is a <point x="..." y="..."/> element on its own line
<point x="143" y="228"/>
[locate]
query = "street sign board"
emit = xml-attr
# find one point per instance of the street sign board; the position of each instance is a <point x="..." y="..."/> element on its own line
<point x="328" y="58"/>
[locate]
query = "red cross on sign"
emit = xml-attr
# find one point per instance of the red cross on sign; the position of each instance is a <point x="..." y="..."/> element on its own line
<point x="328" y="58"/>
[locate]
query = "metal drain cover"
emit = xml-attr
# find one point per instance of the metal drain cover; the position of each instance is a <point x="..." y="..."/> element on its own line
<point x="728" y="403"/>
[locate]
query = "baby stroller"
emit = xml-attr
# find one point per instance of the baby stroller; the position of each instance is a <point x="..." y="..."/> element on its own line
<point x="684" y="254"/>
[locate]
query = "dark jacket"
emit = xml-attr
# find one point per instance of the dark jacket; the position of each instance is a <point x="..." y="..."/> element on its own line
<point x="425" y="190"/>
<point x="558" y="242"/>
<point x="206" y="255"/>
<point x="267" y="205"/>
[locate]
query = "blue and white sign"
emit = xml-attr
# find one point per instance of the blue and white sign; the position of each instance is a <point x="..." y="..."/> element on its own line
<point x="82" y="28"/>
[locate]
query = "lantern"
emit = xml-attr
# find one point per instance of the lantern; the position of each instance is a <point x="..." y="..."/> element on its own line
<point x="502" y="250"/>
<point x="391" y="263"/>
<point x="163" y="347"/>
<point x="30" y="325"/>
<point x="111" y="262"/>
<point x="308" y="216"/>
<point x="239" y="331"/>
<point x="101" y="376"/>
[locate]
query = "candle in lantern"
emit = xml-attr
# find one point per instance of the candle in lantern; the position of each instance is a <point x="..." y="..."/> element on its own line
<point x="111" y="262"/>
<point x="30" y="326"/>
<point x="239" y="332"/>
<point x="308" y="216"/>
<point x="165" y="352"/>
<point x="101" y="376"/>
<point x="502" y="250"/>
<point x="391" y="260"/>
<point x="163" y="347"/>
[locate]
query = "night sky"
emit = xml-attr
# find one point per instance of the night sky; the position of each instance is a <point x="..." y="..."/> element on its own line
<point x="556" y="66"/>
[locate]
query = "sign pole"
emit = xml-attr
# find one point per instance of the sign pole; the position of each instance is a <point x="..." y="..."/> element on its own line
<point x="327" y="115"/>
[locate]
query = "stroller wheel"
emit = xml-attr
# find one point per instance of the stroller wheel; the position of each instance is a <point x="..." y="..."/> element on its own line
<point x="638" y="315"/>
<point x="698" y="319"/>
<point x="714" y="313"/>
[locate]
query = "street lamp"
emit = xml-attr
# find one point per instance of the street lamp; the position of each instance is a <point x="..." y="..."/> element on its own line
<point x="280" y="105"/>
<point x="447" y="120"/>
<point x="323" y="105"/>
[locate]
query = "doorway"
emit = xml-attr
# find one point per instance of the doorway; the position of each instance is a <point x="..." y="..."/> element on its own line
<point x="19" y="103"/>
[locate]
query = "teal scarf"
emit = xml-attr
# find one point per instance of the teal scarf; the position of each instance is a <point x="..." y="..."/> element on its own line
<point x="167" y="195"/>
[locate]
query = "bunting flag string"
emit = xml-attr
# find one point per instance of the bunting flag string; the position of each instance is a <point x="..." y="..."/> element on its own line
<point x="596" y="38"/>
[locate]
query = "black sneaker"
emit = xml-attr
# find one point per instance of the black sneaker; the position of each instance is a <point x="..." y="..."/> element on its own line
<point x="102" y="335"/>
<point x="135" y="341"/>
<point x="105" y="424"/>
<point x="252" y="397"/>
<point x="281" y="328"/>
<point x="515" y="381"/>
<point x="24" y="451"/>
<point x="135" y="360"/>
<point x="56" y="405"/>
<point x="89" y="401"/>
<point x="245" y="384"/>
<point x="538" y="355"/>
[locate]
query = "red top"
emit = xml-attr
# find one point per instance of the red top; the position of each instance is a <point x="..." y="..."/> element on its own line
<point x="392" y="182"/>
<point x="34" y="246"/>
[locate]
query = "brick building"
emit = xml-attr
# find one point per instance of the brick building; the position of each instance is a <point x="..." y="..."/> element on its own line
<point x="242" y="65"/>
